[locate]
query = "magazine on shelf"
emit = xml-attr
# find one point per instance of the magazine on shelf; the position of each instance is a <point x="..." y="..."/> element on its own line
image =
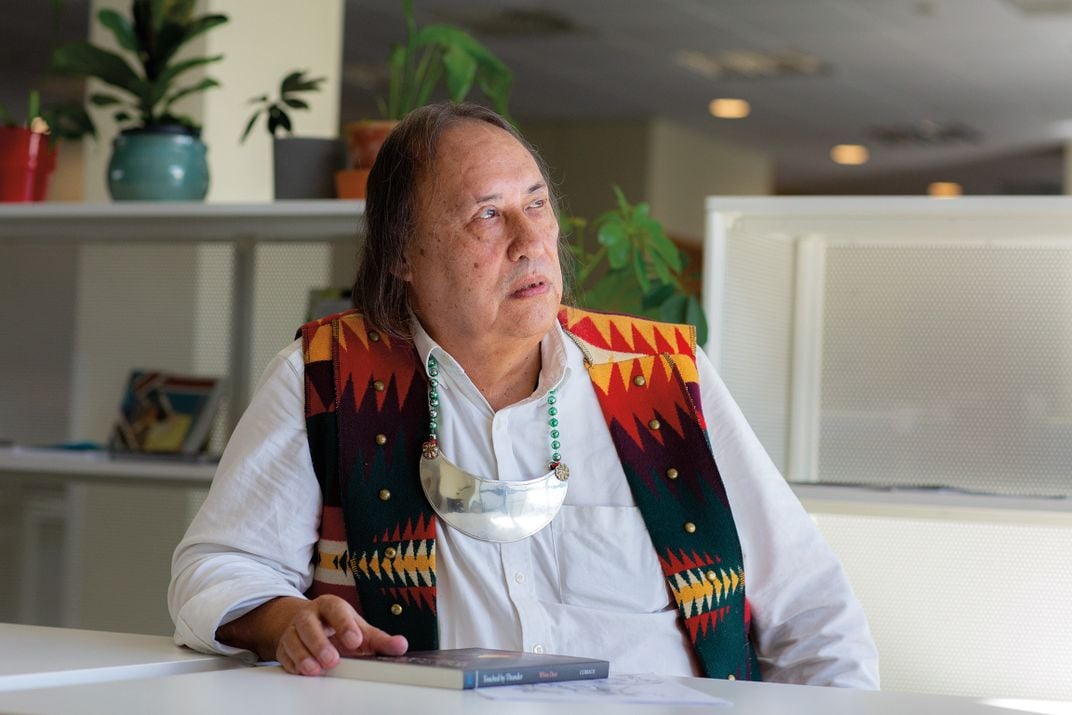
<point x="163" y="413"/>
<point x="467" y="668"/>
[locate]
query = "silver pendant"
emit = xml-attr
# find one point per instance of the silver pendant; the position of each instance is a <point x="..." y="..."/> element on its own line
<point x="491" y="509"/>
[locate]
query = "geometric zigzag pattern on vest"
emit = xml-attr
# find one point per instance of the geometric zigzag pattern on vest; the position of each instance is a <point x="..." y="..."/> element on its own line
<point x="367" y="413"/>
<point x="366" y="416"/>
<point x="645" y="378"/>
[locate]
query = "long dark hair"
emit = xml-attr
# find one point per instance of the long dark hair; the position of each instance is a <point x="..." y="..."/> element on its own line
<point x="391" y="207"/>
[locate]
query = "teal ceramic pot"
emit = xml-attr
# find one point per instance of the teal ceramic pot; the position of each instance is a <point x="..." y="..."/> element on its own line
<point x="165" y="163"/>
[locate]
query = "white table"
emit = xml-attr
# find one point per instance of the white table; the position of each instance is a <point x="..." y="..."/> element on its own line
<point x="270" y="690"/>
<point x="39" y="657"/>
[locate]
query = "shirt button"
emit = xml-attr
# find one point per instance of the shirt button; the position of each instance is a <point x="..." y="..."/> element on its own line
<point x="519" y="577"/>
<point x="537" y="649"/>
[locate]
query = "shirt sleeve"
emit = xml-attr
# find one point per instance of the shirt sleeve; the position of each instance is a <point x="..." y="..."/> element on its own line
<point x="807" y="625"/>
<point x="254" y="536"/>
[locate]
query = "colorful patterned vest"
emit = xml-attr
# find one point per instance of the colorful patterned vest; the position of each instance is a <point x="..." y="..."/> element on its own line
<point x="366" y="413"/>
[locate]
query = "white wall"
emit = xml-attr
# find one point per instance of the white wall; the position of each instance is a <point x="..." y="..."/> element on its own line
<point x="657" y="161"/>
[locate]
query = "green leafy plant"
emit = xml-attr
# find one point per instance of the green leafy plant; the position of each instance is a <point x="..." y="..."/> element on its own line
<point x="277" y="110"/>
<point x="67" y="120"/>
<point x="626" y="263"/>
<point x="441" y="53"/>
<point x="149" y="85"/>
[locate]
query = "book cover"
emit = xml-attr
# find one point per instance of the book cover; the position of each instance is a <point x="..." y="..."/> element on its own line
<point x="161" y="413"/>
<point x="467" y="668"/>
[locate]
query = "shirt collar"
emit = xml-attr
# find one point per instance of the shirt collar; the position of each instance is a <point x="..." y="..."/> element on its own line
<point x="553" y="371"/>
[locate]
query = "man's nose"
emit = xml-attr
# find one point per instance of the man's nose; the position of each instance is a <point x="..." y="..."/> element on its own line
<point x="526" y="239"/>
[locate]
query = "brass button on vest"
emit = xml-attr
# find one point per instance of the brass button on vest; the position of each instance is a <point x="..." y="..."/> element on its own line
<point x="378" y="386"/>
<point x="390" y="552"/>
<point x="381" y="439"/>
<point x="385" y="494"/>
<point x="711" y="576"/>
<point x="374" y="336"/>
<point x="690" y="528"/>
<point x="396" y="609"/>
<point x="671" y="473"/>
<point x="639" y="381"/>
<point x="731" y="676"/>
<point x="655" y="424"/>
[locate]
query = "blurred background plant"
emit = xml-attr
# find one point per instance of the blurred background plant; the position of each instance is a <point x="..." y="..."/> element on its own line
<point x="65" y="120"/>
<point x="625" y="263"/>
<point x="148" y="87"/>
<point x="278" y="110"/>
<point x="441" y="53"/>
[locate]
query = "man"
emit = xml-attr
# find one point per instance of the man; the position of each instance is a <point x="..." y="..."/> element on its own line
<point x="468" y="464"/>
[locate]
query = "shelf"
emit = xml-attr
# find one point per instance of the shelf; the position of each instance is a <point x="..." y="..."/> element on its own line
<point x="289" y="221"/>
<point x="100" y="466"/>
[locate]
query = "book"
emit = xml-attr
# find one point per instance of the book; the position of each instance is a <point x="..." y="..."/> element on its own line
<point x="162" y="413"/>
<point x="467" y="668"/>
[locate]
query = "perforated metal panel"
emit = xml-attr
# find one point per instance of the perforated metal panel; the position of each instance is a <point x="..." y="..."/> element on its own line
<point x="962" y="607"/>
<point x="921" y="345"/>
<point x="754" y="345"/>
<point x="948" y="365"/>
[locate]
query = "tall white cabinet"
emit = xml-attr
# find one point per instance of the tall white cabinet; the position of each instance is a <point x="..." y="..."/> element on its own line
<point x="89" y="292"/>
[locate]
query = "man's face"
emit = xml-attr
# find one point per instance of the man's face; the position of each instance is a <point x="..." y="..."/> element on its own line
<point x="483" y="265"/>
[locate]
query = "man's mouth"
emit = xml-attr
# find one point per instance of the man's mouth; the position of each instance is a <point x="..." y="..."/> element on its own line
<point x="531" y="288"/>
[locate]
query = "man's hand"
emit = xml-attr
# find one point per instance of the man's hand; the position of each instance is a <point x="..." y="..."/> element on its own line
<point x="308" y="637"/>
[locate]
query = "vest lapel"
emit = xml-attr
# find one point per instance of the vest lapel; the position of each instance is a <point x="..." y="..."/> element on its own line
<point x="650" y="401"/>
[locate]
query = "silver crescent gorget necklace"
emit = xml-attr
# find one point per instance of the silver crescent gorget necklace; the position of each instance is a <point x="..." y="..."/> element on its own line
<point x="490" y="509"/>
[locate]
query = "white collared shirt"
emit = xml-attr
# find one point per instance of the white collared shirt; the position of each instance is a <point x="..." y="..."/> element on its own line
<point x="588" y="584"/>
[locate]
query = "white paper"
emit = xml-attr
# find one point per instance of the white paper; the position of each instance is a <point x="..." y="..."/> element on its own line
<point x="638" y="689"/>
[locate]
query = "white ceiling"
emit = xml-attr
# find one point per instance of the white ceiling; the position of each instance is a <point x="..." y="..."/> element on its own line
<point x="987" y="64"/>
<point x="983" y="63"/>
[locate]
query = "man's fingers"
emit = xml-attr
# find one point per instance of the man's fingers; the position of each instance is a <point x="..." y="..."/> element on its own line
<point x="341" y="621"/>
<point x="378" y="642"/>
<point x="293" y="651"/>
<point x="310" y="631"/>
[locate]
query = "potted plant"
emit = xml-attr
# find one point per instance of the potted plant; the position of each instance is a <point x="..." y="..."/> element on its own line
<point x="304" y="167"/>
<point x="631" y="266"/>
<point x="431" y="56"/>
<point x="158" y="154"/>
<point x="28" y="149"/>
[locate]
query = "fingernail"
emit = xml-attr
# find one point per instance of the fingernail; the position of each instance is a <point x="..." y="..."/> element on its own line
<point x="309" y="666"/>
<point x="351" y="640"/>
<point x="327" y="655"/>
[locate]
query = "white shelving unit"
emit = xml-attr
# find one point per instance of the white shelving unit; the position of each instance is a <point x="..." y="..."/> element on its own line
<point x="89" y="292"/>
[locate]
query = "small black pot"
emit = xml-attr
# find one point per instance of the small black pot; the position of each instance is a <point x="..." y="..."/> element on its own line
<point x="305" y="167"/>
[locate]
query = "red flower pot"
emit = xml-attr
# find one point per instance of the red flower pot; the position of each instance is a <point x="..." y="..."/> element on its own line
<point x="26" y="163"/>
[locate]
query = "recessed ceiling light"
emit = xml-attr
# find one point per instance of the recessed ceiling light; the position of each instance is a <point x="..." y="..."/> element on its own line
<point x="726" y="108"/>
<point x="850" y="154"/>
<point x="945" y="189"/>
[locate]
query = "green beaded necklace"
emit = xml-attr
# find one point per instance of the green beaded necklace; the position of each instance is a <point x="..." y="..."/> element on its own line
<point x="430" y="449"/>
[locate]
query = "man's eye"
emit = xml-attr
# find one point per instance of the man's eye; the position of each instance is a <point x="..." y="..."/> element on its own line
<point x="488" y="213"/>
<point x="538" y="204"/>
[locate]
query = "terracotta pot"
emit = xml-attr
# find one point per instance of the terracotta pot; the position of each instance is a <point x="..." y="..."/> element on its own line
<point x="351" y="183"/>
<point x="27" y="160"/>
<point x="364" y="139"/>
